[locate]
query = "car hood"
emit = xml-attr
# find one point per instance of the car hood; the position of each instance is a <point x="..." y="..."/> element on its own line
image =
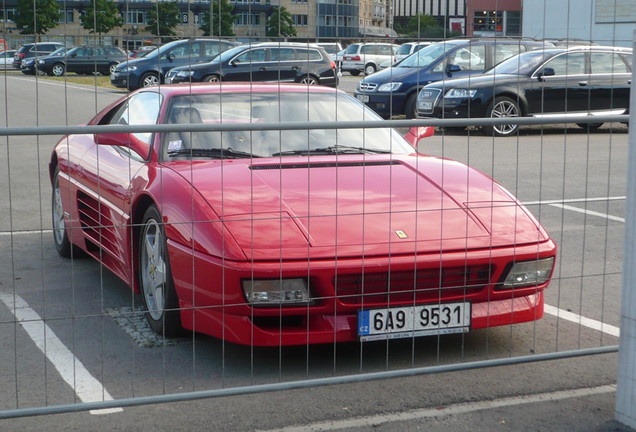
<point x="480" y="81"/>
<point x="395" y="74"/>
<point x="354" y="206"/>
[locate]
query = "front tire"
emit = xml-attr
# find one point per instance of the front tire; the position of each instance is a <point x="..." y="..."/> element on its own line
<point x="149" y="79"/>
<point x="212" y="79"/>
<point x="111" y="68"/>
<point x="410" y="110"/>
<point x="155" y="277"/>
<point x="502" y="107"/>
<point x="589" y="126"/>
<point x="58" y="69"/>
<point x="60" y="236"/>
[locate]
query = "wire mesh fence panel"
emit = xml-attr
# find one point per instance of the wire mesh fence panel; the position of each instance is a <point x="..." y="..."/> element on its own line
<point x="242" y="236"/>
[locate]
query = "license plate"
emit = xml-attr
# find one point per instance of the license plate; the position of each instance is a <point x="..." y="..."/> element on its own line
<point x="411" y="321"/>
<point x="425" y="106"/>
<point x="363" y="98"/>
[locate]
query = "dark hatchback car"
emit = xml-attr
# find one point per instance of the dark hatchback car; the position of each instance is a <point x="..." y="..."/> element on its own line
<point x="40" y="49"/>
<point x="82" y="60"/>
<point x="28" y="66"/>
<point x="591" y="80"/>
<point x="393" y="91"/>
<point x="150" y="69"/>
<point x="273" y="61"/>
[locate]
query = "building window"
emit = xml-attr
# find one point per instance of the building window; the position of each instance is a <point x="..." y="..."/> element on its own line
<point x="513" y="23"/>
<point x="247" y="19"/>
<point x="488" y="23"/>
<point x="299" y="1"/>
<point x="8" y="14"/>
<point x="135" y="17"/>
<point x="300" y="20"/>
<point x="66" y="16"/>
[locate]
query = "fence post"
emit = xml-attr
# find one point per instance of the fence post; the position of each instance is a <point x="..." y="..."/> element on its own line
<point x="626" y="381"/>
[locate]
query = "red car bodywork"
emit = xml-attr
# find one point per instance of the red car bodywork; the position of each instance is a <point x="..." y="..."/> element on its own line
<point x="365" y="231"/>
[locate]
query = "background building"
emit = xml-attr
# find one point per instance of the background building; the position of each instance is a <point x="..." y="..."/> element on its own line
<point x="606" y="22"/>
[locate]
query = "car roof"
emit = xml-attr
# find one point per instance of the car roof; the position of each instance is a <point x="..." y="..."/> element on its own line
<point x="199" y="88"/>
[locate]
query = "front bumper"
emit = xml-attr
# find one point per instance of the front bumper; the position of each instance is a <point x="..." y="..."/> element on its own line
<point x="124" y="80"/>
<point x="385" y="104"/>
<point x="211" y="299"/>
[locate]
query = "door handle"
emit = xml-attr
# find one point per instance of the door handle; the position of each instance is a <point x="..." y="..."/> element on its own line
<point x="583" y="83"/>
<point x="261" y="69"/>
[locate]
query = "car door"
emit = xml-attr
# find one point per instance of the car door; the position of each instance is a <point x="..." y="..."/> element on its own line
<point x="110" y="170"/>
<point x="250" y="65"/>
<point x="609" y="83"/>
<point x="287" y="63"/>
<point x="78" y="61"/>
<point x="561" y="86"/>
<point x="189" y="52"/>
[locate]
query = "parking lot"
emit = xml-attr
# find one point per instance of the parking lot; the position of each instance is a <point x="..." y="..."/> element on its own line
<point x="94" y="347"/>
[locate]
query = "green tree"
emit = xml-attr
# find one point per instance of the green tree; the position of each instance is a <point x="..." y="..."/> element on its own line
<point x="280" y="24"/>
<point x="163" y="18"/>
<point x="101" y="16"/>
<point x="221" y="17"/>
<point x="425" y="27"/>
<point x="36" y="16"/>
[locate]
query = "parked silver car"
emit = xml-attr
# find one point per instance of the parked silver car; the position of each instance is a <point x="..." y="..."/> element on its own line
<point x="366" y="57"/>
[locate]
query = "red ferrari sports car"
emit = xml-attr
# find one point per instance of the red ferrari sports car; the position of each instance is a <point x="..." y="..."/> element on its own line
<point x="283" y="237"/>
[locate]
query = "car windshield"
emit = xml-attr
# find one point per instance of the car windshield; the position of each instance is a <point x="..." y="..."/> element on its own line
<point x="521" y="64"/>
<point x="258" y="107"/>
<point x="226" y="55"/>
<point x="427" y="56"/>
<point x="404" y="49"/>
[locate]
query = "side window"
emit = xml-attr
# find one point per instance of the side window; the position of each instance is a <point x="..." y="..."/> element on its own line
<point x="211" y="49"/>
<point x="470" y="58"/>
<point x="367" y="49"/>
<point x="504" y="51"/>
<point x="608" y="63"/>
<point x="385" y="50"/>
<point x="141" y="109"/>
<point x="249" y="56"/>
<point x="288" y="54"/>
<point x="185" y="51"/>
<point x="568" y="64"/>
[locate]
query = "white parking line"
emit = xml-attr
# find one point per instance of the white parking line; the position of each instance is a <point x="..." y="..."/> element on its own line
<point x="87" y="388"/>
<point x="370" y="422"/>
<point x="589" y="212"/>
<point x="581" y="320"/>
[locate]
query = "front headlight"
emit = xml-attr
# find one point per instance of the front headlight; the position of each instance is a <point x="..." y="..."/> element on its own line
<point x="390" y="87"/>
<point x="272" y="292"/>
<point x="185" y="73"/>
<point x="529" y="273"/>
<point x="126" y="69"/>
<point x="39" y="62"/>
<point x="460" y="93"/>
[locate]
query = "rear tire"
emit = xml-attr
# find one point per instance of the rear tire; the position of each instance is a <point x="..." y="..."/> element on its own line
<point x="309" y="80"/>
<point x="354" y="72"/>
<point x="60" y="236"/>
<point x="370" y="69"/>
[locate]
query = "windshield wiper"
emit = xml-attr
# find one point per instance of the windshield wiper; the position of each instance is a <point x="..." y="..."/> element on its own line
<point x="336" y="149"/>
<point x="227" y="153"/>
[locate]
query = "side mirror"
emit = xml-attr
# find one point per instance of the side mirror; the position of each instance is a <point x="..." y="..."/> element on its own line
<point x="123" y="140"/>
<point x="416" y="133"/>
<point x="171" y="57"/>
<point x="545" y="72"/>
<point x="452" y="68"/>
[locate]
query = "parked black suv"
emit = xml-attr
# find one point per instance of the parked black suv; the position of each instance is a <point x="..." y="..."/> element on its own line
<point x="82" y="60"/>
<point x="150" y="69"/>
<point x="268" y="61"/>
<point x="40" y="49"/>
<point x="578" y="81"/>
